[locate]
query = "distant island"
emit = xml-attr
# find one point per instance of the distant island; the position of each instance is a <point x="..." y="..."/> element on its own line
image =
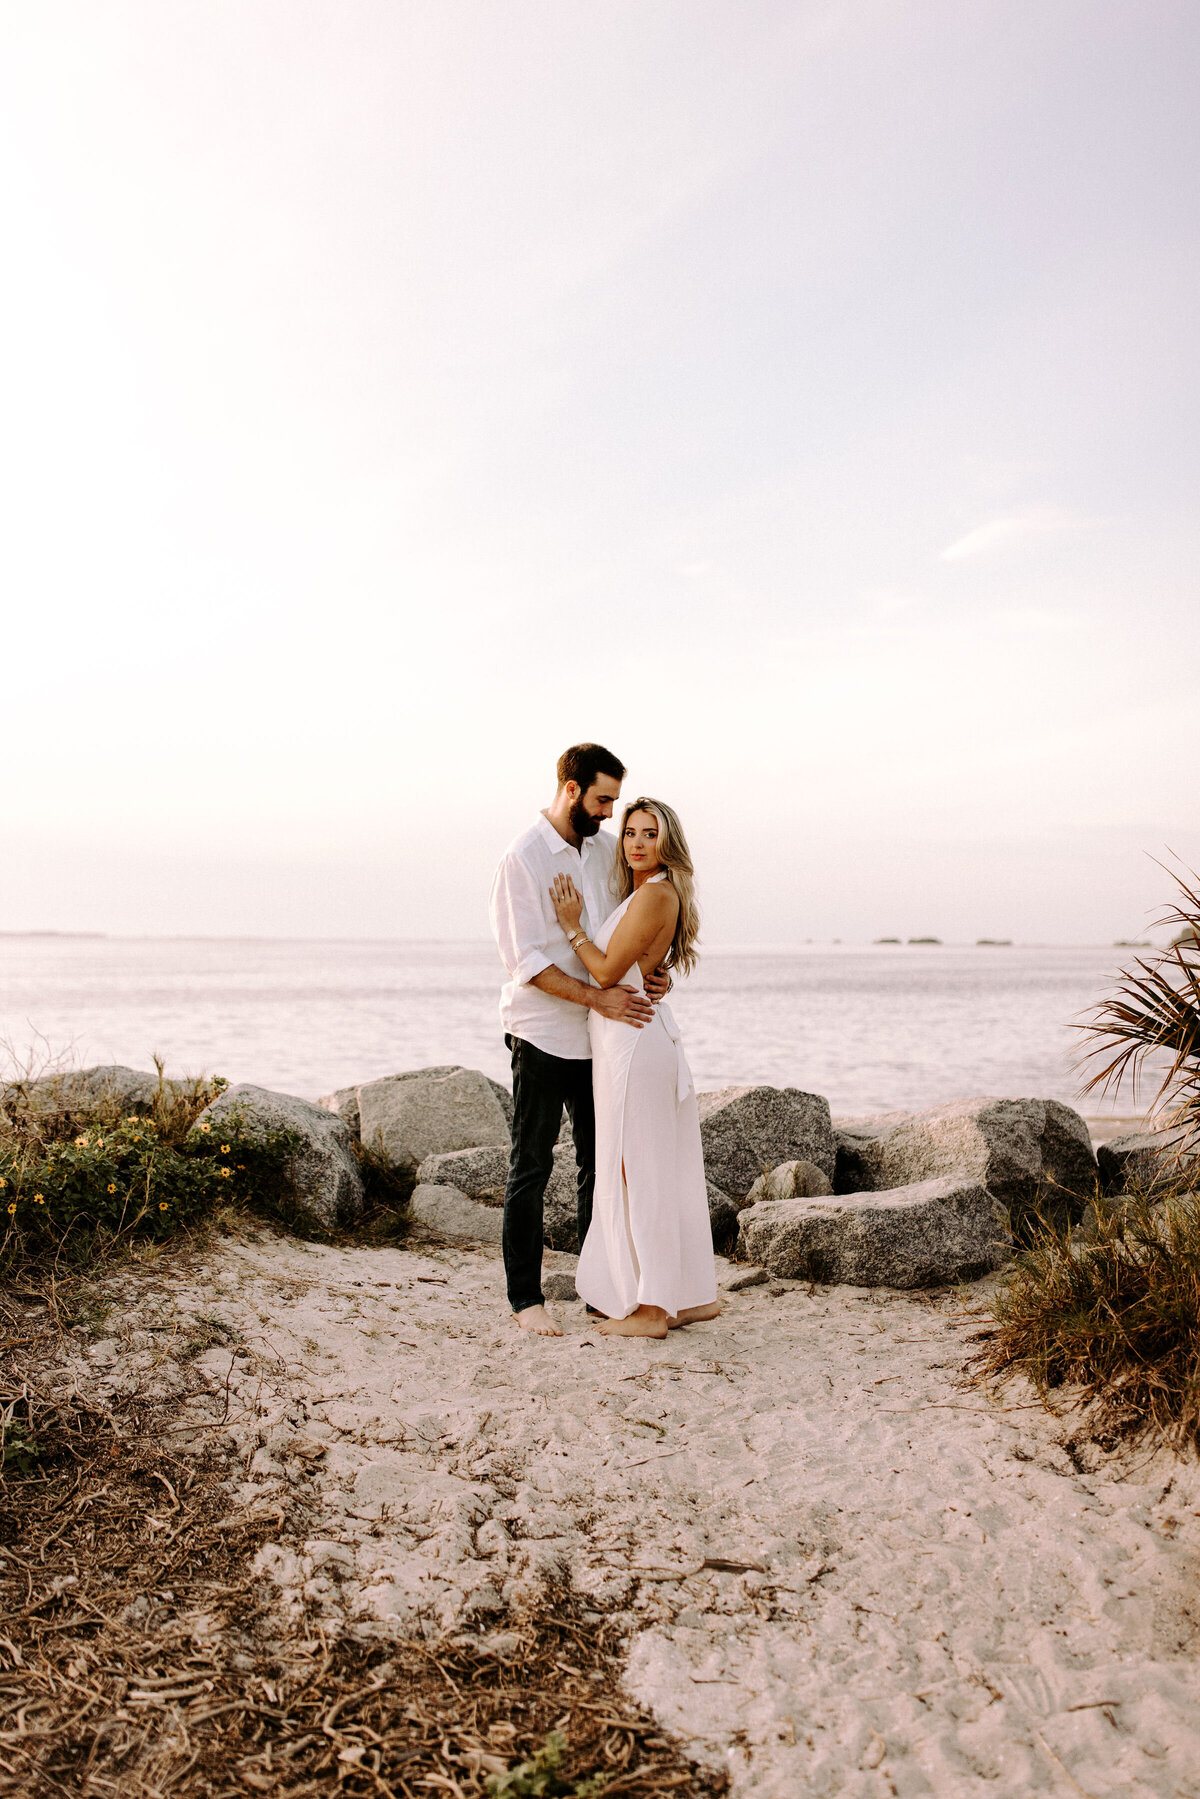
<point x="900" y="940"/>
<point x="90" y="934"/>
<point x="980" y="942"/>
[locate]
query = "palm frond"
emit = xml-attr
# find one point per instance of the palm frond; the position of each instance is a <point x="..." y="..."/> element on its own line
<point x="1151" y="1024"/>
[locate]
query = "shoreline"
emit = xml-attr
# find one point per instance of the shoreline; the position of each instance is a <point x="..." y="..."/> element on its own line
<point x="872" y="1031"/>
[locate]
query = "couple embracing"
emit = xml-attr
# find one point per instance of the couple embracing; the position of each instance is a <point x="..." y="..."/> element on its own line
<point x="589" y="926"/>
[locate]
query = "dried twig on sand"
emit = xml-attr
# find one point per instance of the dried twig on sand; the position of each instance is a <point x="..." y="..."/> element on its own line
<point x="138" y="1654"/>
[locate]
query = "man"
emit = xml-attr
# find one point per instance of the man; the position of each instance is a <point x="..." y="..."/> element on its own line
<point x="545" y="1003"/>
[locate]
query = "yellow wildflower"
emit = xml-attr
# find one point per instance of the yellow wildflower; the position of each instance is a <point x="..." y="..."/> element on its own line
<point x="3" y="1182"/>
<point x="11" y="1210"/>
<point x="224" y="1149"/>
<point x="204" y="1127"/>
<point x="81" y="1142"/>
<point x="39" y="1197"/>
<point x="112" y="1186"/>
<point x="162" y="1205"/>
<point x="224" y="1173"/>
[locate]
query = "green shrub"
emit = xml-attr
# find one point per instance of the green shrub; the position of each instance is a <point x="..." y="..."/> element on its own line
<point x="71" y="1188"/>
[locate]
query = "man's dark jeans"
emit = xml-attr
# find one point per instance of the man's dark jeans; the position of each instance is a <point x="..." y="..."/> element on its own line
<point x="542" y="1086"/>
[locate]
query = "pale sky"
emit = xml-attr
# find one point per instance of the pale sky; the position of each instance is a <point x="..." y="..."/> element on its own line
<point x="799" y="398"/>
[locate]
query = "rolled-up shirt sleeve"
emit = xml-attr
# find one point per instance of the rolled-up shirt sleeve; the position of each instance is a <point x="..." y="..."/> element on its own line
<point x="519" y="921"/>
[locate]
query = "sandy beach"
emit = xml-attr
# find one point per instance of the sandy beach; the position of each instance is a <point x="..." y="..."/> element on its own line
<point x="841" y="1569"/>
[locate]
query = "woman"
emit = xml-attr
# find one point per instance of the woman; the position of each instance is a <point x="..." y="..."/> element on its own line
<point x="647" y="1263"/>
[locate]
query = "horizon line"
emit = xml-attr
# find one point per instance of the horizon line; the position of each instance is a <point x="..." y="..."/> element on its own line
<point x="926" y="942"/>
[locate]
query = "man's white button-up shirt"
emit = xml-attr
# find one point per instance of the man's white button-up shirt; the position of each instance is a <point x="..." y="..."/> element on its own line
<point x="530" y="937"/>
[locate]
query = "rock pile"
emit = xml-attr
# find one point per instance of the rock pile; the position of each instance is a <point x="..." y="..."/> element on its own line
<point x="1020" y="1149"/>
<point x="926" y="1234"/>
<point x="469" y="1184"/>
<point x="922" y="1198"/>
<point x="449" y="1128"/>
<point x="747" y="1130"/>
<point x="903" y="1199"/>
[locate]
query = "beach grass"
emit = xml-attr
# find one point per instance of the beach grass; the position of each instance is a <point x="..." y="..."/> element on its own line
<point x="1110" y="1322"/>
<point x="1111" y="1316"/>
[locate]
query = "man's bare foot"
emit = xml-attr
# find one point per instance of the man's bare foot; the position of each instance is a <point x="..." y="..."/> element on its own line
<point x="693" y="1314"/>
<point x="537" y="1320"/>
<point x="647" y="1321"/>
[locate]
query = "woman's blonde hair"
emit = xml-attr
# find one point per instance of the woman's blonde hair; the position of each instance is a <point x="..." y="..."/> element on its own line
<point x="675" y="861"/>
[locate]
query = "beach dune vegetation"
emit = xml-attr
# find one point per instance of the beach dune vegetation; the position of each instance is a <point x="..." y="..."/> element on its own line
<point x="1113" y="1322"/>
<point x="1112" y="1315"/>
<point x="76" y="1184"/>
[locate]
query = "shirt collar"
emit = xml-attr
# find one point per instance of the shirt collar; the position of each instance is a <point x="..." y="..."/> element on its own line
<point x="552" y="837"/>
<point x="558" y="843"/>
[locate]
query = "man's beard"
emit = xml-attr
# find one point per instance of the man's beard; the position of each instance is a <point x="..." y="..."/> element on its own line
<point x="582" y="822"/>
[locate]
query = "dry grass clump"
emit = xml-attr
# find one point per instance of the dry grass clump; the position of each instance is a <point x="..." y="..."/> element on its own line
<point x="1114" y="1319"/>
<point x="1115" y="1316"/>
<point x="140" y="1657"/>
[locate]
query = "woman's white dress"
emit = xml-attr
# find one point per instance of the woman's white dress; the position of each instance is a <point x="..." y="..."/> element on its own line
<point x="650" y="1240"/>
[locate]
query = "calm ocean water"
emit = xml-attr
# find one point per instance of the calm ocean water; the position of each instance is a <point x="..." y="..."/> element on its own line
<point x="872" y="1028"/>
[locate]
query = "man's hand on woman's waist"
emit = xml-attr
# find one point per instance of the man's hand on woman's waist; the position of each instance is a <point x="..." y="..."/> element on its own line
<point x="657" y="983"/>
<point x="624" y="1004"/>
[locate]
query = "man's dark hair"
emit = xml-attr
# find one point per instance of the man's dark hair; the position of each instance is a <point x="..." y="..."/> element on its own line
<point x="584" y="761"/>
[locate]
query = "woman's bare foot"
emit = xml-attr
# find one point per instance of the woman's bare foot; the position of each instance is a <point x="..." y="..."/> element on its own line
<point x="647" y="1321"/>
<point x="694" y="1314"/>
<point x="537" y="1320"/>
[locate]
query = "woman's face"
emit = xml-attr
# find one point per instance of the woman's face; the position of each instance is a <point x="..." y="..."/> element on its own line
<point x="641" y="842"/>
